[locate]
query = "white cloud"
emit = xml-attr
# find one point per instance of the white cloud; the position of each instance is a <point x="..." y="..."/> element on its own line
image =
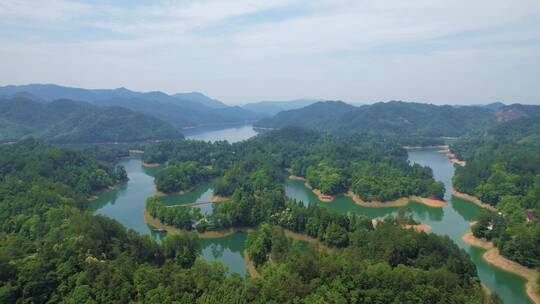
<point x="361" y="50"/>
<point x="36" y="11"/>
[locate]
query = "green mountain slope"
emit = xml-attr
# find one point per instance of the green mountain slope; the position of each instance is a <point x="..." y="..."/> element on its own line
<point x="181" y="110"/>
<point x="66" y="121"/>
<point x="412" y="123"/>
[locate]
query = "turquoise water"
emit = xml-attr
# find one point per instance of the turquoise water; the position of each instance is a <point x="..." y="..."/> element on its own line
<point x="231" y="134"/>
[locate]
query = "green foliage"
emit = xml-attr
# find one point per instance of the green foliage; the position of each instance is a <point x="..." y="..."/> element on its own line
<point x="388" y="180"/>
<point x="182" y="217"/>
<point x="66" y="121"/>
<point x="51" y="251"/>
<point x="267" y="242"/>
<point x="389" y="265"/>
<point x="503" y="169"/>
<point x="407" y="123"/>
<point x="183" y="247"/>
<point x="181" y="177"/>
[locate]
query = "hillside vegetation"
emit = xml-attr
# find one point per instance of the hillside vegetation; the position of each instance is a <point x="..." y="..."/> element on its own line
<point x="410" y="123"/>
<point x="66" y="121"/>
<point x="503" y="169"/>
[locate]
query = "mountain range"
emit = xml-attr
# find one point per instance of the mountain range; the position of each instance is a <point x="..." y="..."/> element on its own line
<point x="181" y="110"/>
<point x="402" y="120"/>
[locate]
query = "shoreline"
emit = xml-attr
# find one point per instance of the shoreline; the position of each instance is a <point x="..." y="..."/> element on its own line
<point x="406" y="147"/>
<point x="473" y="199"/>
<point x="416" y="227"/>
<point x="219" y="198"/>
<point x="214" y="234"/>
<point x="493" y="257"/>
<point x="150" y="165"/>
<point x="162" y="194"/>
<point x="323" y="197"/>
<point x="252" y="271"/>
<point x="95" y="196"/>
<point x="296" y="177"/>
<point x="434" y="203"/>
<point x="453" y="159"/>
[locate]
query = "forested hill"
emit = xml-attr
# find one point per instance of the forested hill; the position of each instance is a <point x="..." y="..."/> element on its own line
<point x="180" y="110"/>
<point x="411" y="123"/>
<point x="503" y="169"/>
<point x="66" y="121"/>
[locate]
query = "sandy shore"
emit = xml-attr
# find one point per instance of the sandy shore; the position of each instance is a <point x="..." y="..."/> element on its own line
<point x="323" y="197"/>
<point x="493" y="257"/>
<point x="219" y="199"/>
<point x="470" y="239"/>
<point x="296" y="177"/>
<point x="150" y="164"/>
<point x="472" y="199"/>
<point x="161" y="194"/>
<point x="453" y="158"/>
<point x="419" y="227"/>
<point x="250" y="267"/>
<point x="399" y="202"/>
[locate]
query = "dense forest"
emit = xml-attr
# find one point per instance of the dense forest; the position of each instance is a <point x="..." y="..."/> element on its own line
<point x="181" y="177"/>
<point x="503" y="169"/>
<point x="66" y="121"/>
<point x="433" y="270"/>
<point x="373" y="167"/>
<point x="409" y="123"/>
<point x="51" y="250"/>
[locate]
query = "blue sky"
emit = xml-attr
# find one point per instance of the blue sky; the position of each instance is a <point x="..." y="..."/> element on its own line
<point x="238" y="51"/>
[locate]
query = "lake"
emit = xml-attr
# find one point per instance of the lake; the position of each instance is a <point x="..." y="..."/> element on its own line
<point x="126" y="204"/>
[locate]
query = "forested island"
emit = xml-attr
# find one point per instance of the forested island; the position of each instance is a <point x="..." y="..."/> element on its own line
<point x="86" y="258"/>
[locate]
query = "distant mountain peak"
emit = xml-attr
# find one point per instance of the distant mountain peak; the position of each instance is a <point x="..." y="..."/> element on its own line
<point x="200" y="98"/>
<point x="495" y="105"/>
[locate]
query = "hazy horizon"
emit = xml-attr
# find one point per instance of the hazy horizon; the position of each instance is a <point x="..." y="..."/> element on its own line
<point x="352" y="102"/>
<point x="448" y="52"/>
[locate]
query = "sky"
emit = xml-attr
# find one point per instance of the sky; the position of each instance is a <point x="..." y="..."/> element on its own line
<point x="238" y="51"/>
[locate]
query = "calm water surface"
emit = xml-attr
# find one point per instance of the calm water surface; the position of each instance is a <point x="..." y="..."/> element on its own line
<point x="126" y="204"/>
<point x="231" y="134"/>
